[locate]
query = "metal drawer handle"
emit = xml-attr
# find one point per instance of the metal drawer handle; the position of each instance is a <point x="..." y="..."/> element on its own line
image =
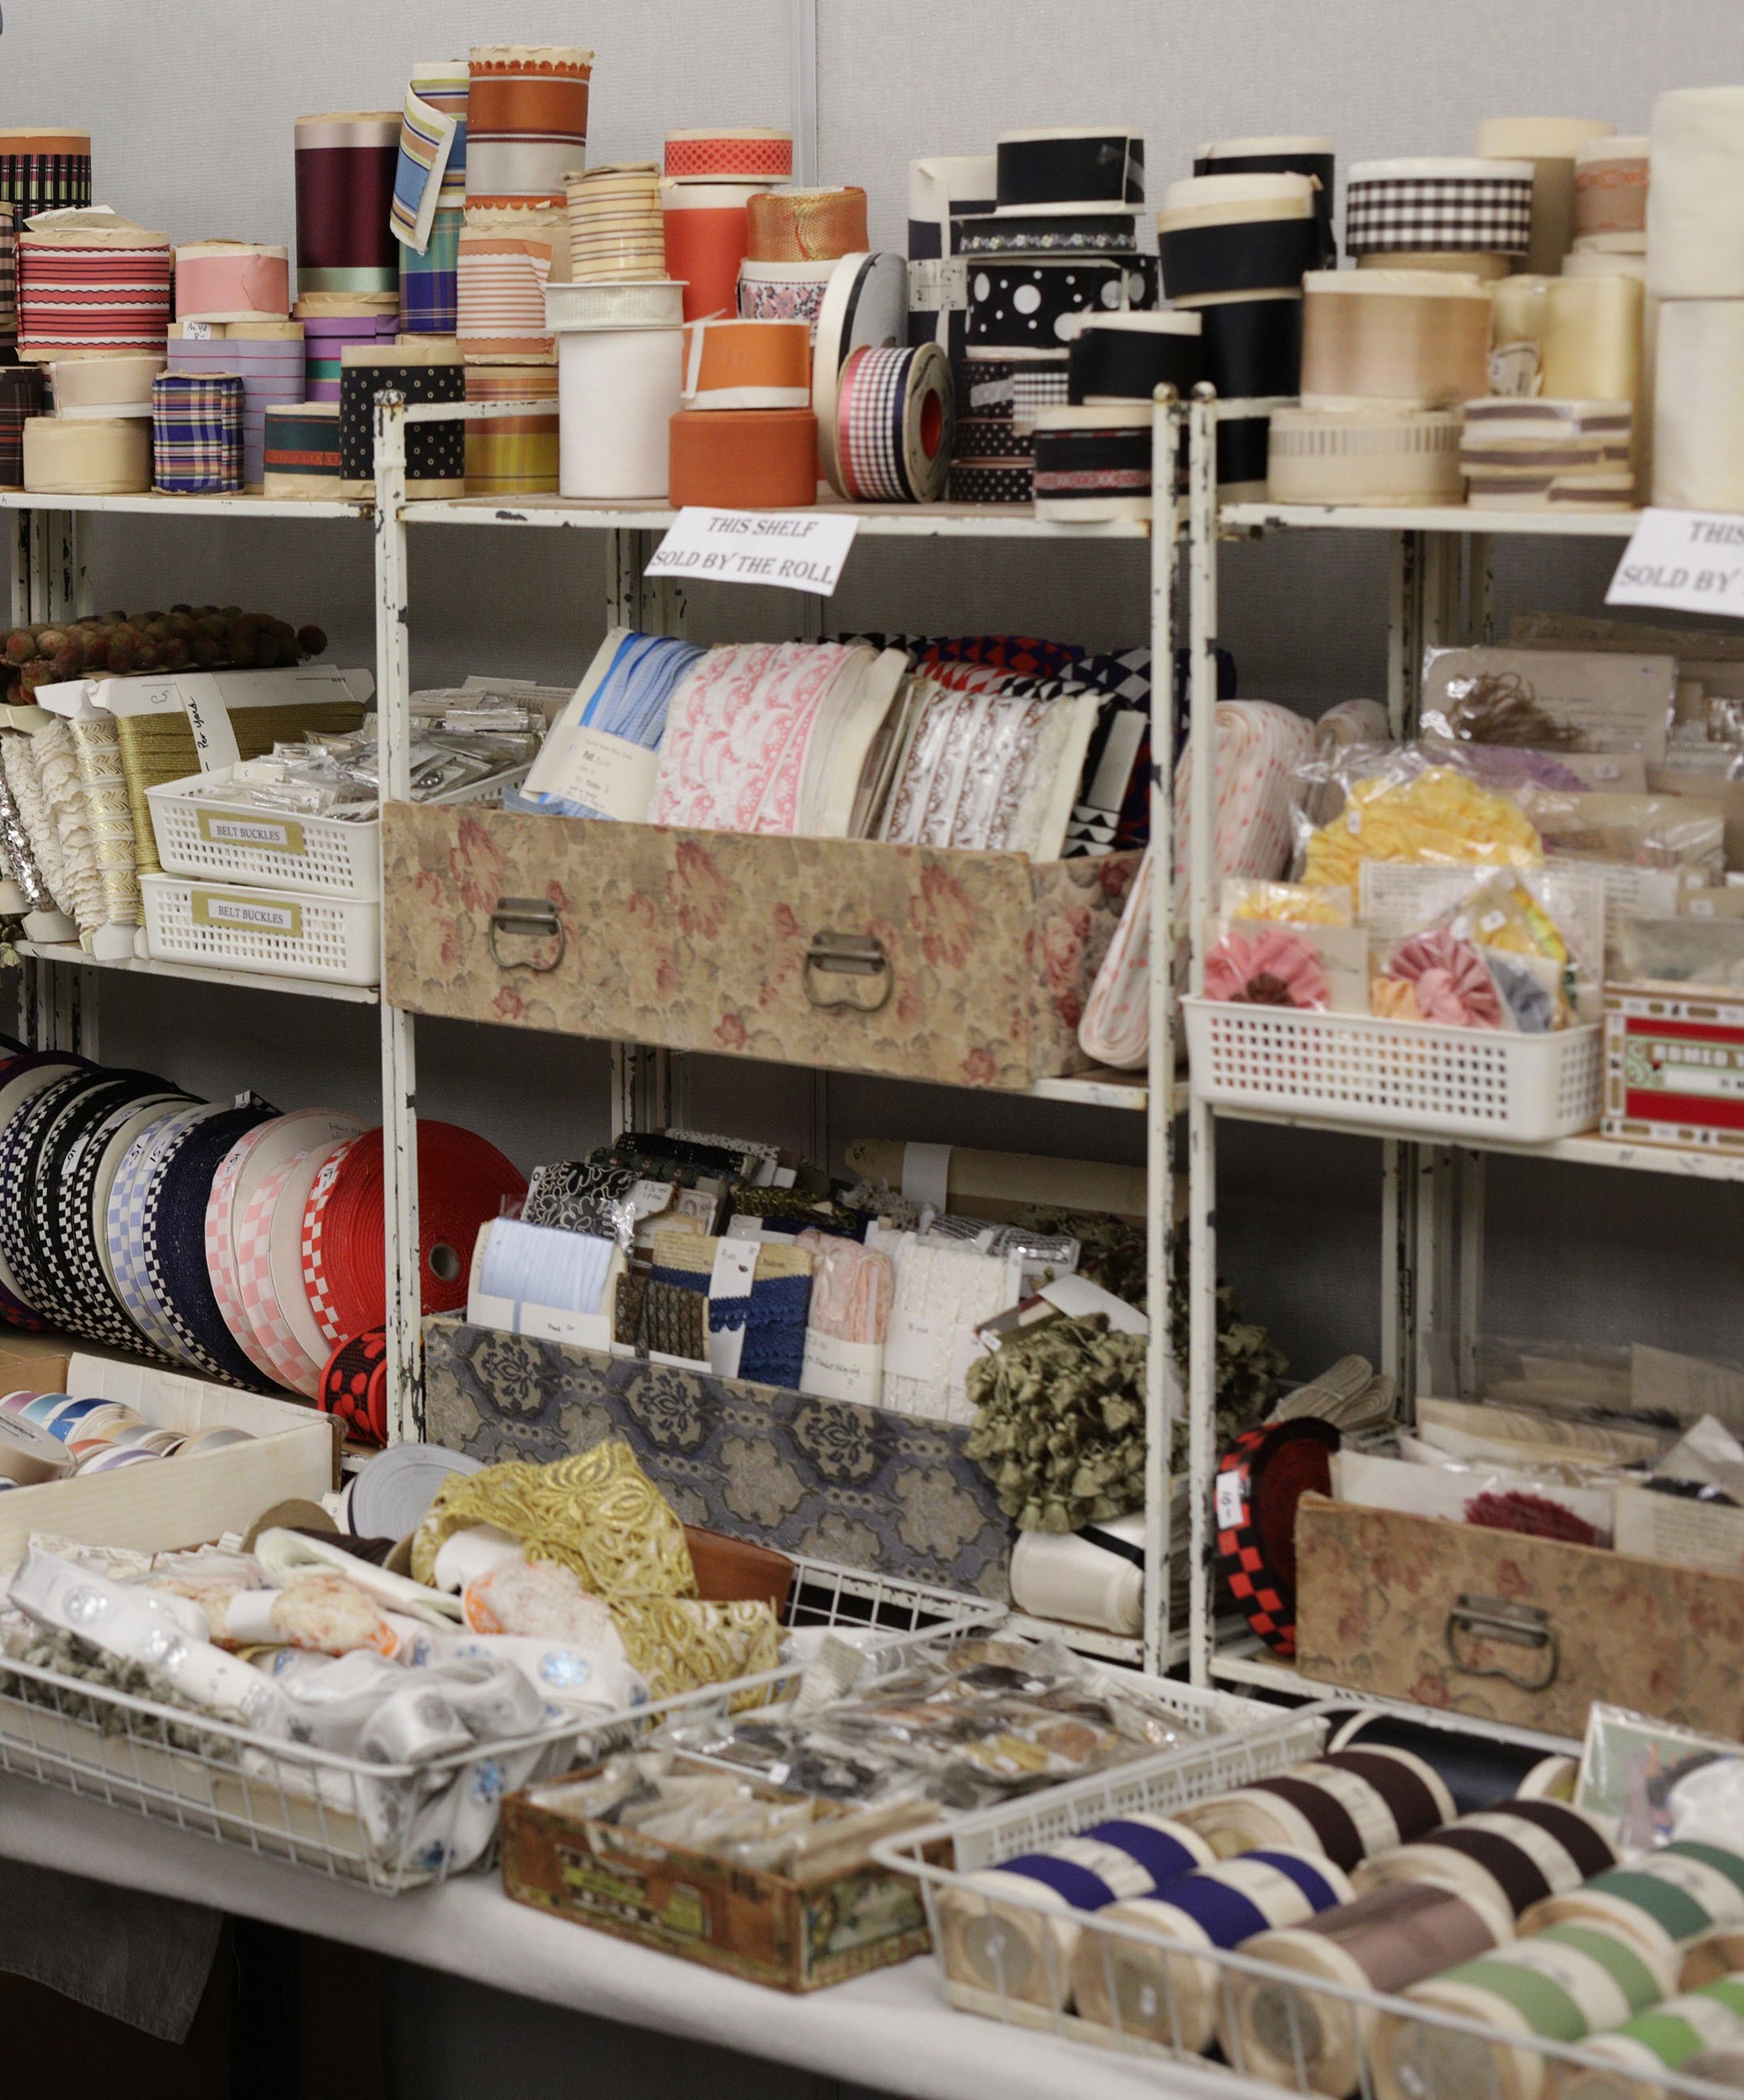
<point x="1515" y="1625"/>
<point x="859" y="958"/>
<point x="528" y="919"/>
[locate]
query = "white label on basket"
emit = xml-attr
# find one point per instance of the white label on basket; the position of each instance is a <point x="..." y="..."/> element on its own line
<point x="270" y="834"/>
<point x="252" y="915"/>
<point x="1688" y="560"/>
<point x="608" y="773"/>
<point x="791" y="550"/>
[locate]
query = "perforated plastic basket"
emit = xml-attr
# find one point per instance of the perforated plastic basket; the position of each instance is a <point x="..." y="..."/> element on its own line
<point x="204" y="829"/>
<point x="279" y="933"/>
<point x="1396" y="1074"/>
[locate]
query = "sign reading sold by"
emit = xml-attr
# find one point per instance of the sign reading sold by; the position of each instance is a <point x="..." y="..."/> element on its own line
<point x="1687" y="561"/>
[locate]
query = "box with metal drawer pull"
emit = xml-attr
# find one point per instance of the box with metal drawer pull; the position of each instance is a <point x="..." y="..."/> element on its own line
<point x="969" y="969"/>
<point x="1522" y="1629"/>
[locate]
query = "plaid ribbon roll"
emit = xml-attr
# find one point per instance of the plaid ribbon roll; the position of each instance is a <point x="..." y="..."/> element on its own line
<point x="196" y="433"/>
<point x="8" y="273"/>
<point x="893" y="423"/>
<point x="427" y="280"/>
<point x="1406" y="207"/>
<point x="21" y="399"/>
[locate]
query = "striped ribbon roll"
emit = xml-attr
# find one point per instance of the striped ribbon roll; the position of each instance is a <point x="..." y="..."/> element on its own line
<point x="615" y="231"/>
<point x="300" y="451"/>
<point x="500" y="276"/>
<point x="445" y="84"/>
<point x="513" y="455"/>
<point x="427" y="292"/>
<point x="1518" y="1853"/>
<point x="269" y="1273"/>
<point x="426" y="138"/>
<point x="45" y="170"/>
<point x="354" y="1387"/>
<point x="8" y="275"/>
<point x="1349" y="1804"/>
<point x="526" y="122"/>
<point x="894" y="419"/>
<point x="345" y="162"/>
<point x="196" y="433"/>
<point x="326" y="337"/>
<point x="101" y="286"/>
<point x="725" y="154"/>
<point x="21" y="397"/>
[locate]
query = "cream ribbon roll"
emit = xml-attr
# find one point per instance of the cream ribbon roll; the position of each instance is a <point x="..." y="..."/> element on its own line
<point x="87" y="456"/>
<point x="620" y="370"/>
<point x="1605" y="263"/>
<point x="1419" y="339"/>
<point x="616" y="230"/>
<point x="232" y="280"/>
<point x="747" y="364"/>
<point x="105" y="385"/>
<point x="1093" y="1578"/>
<point x="1610" y="187"/>
<point x="1479" y="207"/>
<point x="1229" y="235"/>
<point x="1695" y="206"/>
<point x="725" y="153"/>
<point x="1698" y="405"/>
<point x="1384" y="458"/>
<point x="1551" y="144"/>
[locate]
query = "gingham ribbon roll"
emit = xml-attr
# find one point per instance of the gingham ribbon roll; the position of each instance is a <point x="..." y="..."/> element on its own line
<point x="196" y="433"/>
<point x="220" y="1236"/>
<point x="1479" y="207"/>
<point x="21" y="399"/>
<point x="270" y="1329"/>
<point x="126" y="1225"/>
<point x="317" y="1259"/>
<point x="894" y="420"/>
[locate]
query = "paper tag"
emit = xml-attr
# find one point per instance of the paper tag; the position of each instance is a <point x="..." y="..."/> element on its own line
<point x="791" y="550"/>
<point x="608" y="773"/>
<point x="1231" y="1503"/>
<point x="270" y="834"/>
<point x="926" y="1175"/>
<point x="735" y="1265"/>
<point x="208" y="718"/>
<point x="938" y="285"/>
<point x="1074" y="1296"/>
<point x="196" y="331"/>
<point x="1688" y="561"/>
<point x="255" y="914"/>
<point x="1514" y="369"/>
<point x="835" y="1369"/>
<point x="912" y="1346"/>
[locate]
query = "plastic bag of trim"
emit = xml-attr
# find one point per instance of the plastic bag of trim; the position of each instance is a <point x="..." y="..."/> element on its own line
<point x="1405" y="802"/>
<point x="1667" y="831"/>
<point x="1496" y="957"/>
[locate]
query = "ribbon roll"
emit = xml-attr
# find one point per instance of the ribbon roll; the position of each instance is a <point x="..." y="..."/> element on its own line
<point x="619" y="370"/>
<point x="77" y="457"/>
<point x="196" y="433"/>
<point x="21" y="399"/>
<point x="1261" y="1477"/>
<point x="1695" y="207"/>
<point x="354" y="1388"/>
<point x="1610" y="189"/>
<point x="105" y="385"/>
<point x="526" y="122"/>
<point x="1029" y="303"/>
<point x="232" y="280"/>
<point x="127" y="1219"/>
<point x="326" y="336"/>
<point x="895" y="417"/>
<point x="783" y="291"/>
<point x="1253" y="347"/>
<point x="805" y="226"/>
<point x="942" y="193"/>
<point x="992" y="477"/>
<point x="1479" y="207"/>
<point x="1550" y="144"/>
<point x="435" y="452"/>
<point x="1513" y="1854"/>
<point x="1067" y="233"/>
<point x="8" y="276"/>
<point x="747" y="364"/>
<point x="743" y="459"/>
<point x="865" y="305"/>
<point x="704" y="234"/>
<point x="427" y="293"/>
<point x="427" y="133"/>
<point x="1230" y="234"/>
<point x="44" y="170"/>
<point x="1420" y="339"/>
<point x="269" y="357"/>
<point x="1295" y="156"/>
<point x="346" y="165"/>
<point x="282" y="1330"/>
<point x="27" y="1255"/>
<point x="500" y="276"/>
<point x="720" y="154"/>
<point x="174" y="1242"/>
<point x="445" y="84"/>
<point x="1364" y="455"/>
<point x="1126" y="357"/>
<point x="1093" y="463"/>
<point x="1064" y="164"/>
<point x="615" y="230"/>
<point x="513" y="455"/>
<point x="91" y="281"/>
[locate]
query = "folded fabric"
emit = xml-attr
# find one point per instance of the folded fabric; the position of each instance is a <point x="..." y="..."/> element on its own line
<point x="626" y="694"/>
<point x="1116" y="1029"/>
<point x="1259" y="745"/>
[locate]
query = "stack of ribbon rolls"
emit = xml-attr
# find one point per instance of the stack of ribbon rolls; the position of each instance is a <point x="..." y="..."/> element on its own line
<point x="430" y="193"/>
<point x="709" y="177"/>
<point x="793" y="239"/>
<point x="1552" y="146"/>
<point x="346" y="165"/>
<point x="745" y="437"/>
<point x="44" y="169"/>
<point x="1695" y="275"/>
<point x="270" y="357"/>
<point x="526" y="133"/>
<point x="1548" y="455"/>
<point x="1095" y="460"/>
<point x="330" y="325"/>
<point x="90" y="282"/>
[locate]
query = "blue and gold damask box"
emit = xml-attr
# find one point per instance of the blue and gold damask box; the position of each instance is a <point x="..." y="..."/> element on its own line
<point x="860" y="1486"/>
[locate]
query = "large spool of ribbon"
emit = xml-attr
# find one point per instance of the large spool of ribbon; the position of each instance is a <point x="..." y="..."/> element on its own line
<point x="1695" y="209"/>
<point x="501" y="272"/>
<point x="354" y="1388"/>
<point x="892" y="437"/>
<point x="1079" y="166"/>
<point x="8" y="277"/>
<point x="747" y="364"/>
<point x="513" y="455"/>
<point x="704" y="233"/>
<point x="326" y="337"/>
<point x="1314" y="158"/>
<point x="80" y="456"/>
<point x="1610" y="191"/>
<point x="435" y="452"/>
<point x="1126" y="357"/>
<point x="865" y="305"/>
<point x="1442" y="207"/>
<point x="196" y="433"/>
<point x="345" y="164"/>
<point x="1029" y="302"/>
<point x="1253" y="346"/>
<point x="991" y="462"/>
<point x="91" y="281"/>
<point x="1416" y="338"/>
<point x="1351" y="1804"/>
<point x="284" y="1337"/>
<point x="616" y="230"/>
<point x="430" y="128"/>
<point x="1377" y="456"/>
<point x="1222" y="236"/>
<point x="620" y="371"/>
<point x="44" y="169"/>
<point x="1261" y="1477"/>
<point x="784" y="291"/>
<point x="1698" y="403"/>
<point x="427" y="293"/>
<point x="105" y="385"/>
<point x="1661" y="1903"/>
<point x="21" y="398"/>
<point x="300" y="453"/>
<point x="805" y="226"/>
<point x="1093" y="464"/>
<point x="232" y="280"/>
<point x="725" y="153"/>
<point x="1479" y="1774"/>
<point x="526" y="122"/>
<point x="743" y="459"/>
<point x="1551" y="144"/>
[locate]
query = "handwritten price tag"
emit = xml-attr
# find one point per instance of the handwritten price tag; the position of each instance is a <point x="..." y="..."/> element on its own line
<point x="790" y="549"/>
<point x="1689" y="561"/>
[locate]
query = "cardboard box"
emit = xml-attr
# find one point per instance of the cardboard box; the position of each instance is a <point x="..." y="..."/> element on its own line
<point x="1674" y="1066"/>
<point x="761" y="1927"/>
<point x="178" y="1501"/>
<point x="1526" y="1631"/>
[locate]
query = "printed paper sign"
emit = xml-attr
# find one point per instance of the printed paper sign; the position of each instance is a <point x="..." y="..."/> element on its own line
<point x="791" y="550"/>
<point x="1690" y="561"/>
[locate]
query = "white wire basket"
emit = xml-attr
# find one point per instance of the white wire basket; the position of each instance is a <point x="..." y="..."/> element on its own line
<point x="278" y="933"/>
<point x="1406" y="1075"/>
<point x="1319" y="2036"/>
<point x="206" y="829"/>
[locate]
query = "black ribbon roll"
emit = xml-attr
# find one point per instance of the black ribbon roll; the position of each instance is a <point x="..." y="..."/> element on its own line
<point x="435" y="451"/>
<point x="1245" y="255"/>
<point x="1078" y="167"/>
<point x="1253" y="349"/>
<point x="1015" y="304"/>
<point x="20" y="1156"/>
<point x="175" y="1240"/>
<point x="1243" y="450"/>
<point x="1129" y="364"/>
<point x="1090" y="466"/>
<point x="1319" y="165"/>
<point x="1478" y="1773"/>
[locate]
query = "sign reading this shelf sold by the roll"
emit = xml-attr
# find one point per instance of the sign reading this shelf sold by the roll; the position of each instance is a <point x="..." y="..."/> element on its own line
<point x="792" y="549"/>
<point x="1688" y="560"/>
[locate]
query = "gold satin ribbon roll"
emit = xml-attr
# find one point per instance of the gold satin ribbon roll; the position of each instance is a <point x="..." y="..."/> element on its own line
<point x="1419" y="340"/>
<point x="805" y="226"/>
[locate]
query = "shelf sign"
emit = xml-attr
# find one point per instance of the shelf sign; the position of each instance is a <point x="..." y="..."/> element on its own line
<point x="1686" y="561"/>
<point x="791" y="550"/>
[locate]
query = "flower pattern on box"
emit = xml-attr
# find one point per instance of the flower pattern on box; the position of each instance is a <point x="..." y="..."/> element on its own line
<point x="859" y="1486"/>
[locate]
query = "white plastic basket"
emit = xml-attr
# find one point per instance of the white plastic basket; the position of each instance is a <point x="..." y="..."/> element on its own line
<point x="203" y="828"/>
<point x="278" y="933"/>
<point x="1406" y="1075"/>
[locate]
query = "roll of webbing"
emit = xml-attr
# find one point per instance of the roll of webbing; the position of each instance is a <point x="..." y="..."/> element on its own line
<point x="1224" y="235"/>
<point x="300" y="454"/>
<point x="232" y="280"/>
<point x="1126" y="357"/>
<point x="1482" y="207"/>
<point x="462" y="1183"/>
<point x="175" y="1241"/>
<point x="38" y="1188"/>
<point x="1293" y="156"/>
<point x="1349" y="1804"/>
<point x="354" y="1387"/>
<point x="895" y="414"/>
<point x="1253" y="347"/>
<point x="22" y="1078"/>
<point x="723" y="153"/>
<point x="80" y="456"/>
<point x="1042" y="170"/>
<point x="44" y="168"/>
<point x="526" y="122"/>
<point x="345" y="164"/>
<point x="1260" y="1479"/>
<point x="20" y="1150"/>
<point x="743" y="459"/>
<point x="1662" y="1903"/>
<point x="1518" y="1854"/>
<point x="805" y="226"/>
<point x="76" y="1231"/>
<point x="1418" y="339"/>
<point x="747" y="364"/>
<point x="513" y="455"/>
<point x="269" y="1272"/>
<point x="128" y="1200"/>
<point x="435" y="452"/>
<point x="1093" y="463"/>
<point x="21" y="394"/>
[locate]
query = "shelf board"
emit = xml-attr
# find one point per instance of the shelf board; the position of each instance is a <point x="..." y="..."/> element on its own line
<point x="250" y="503"/>
<point x="908" y="521"/>
<point x="1250" y="1665"/>
<point x="70" y="951"/>
<point x="1095" y="1090"/>
<point x="1450" y="517"/>
<point x="1087" y="1640"/>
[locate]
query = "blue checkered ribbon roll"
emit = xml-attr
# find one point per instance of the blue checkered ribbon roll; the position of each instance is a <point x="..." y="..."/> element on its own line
<point x="427" y="281"/>
<point x="196" y="433"/>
